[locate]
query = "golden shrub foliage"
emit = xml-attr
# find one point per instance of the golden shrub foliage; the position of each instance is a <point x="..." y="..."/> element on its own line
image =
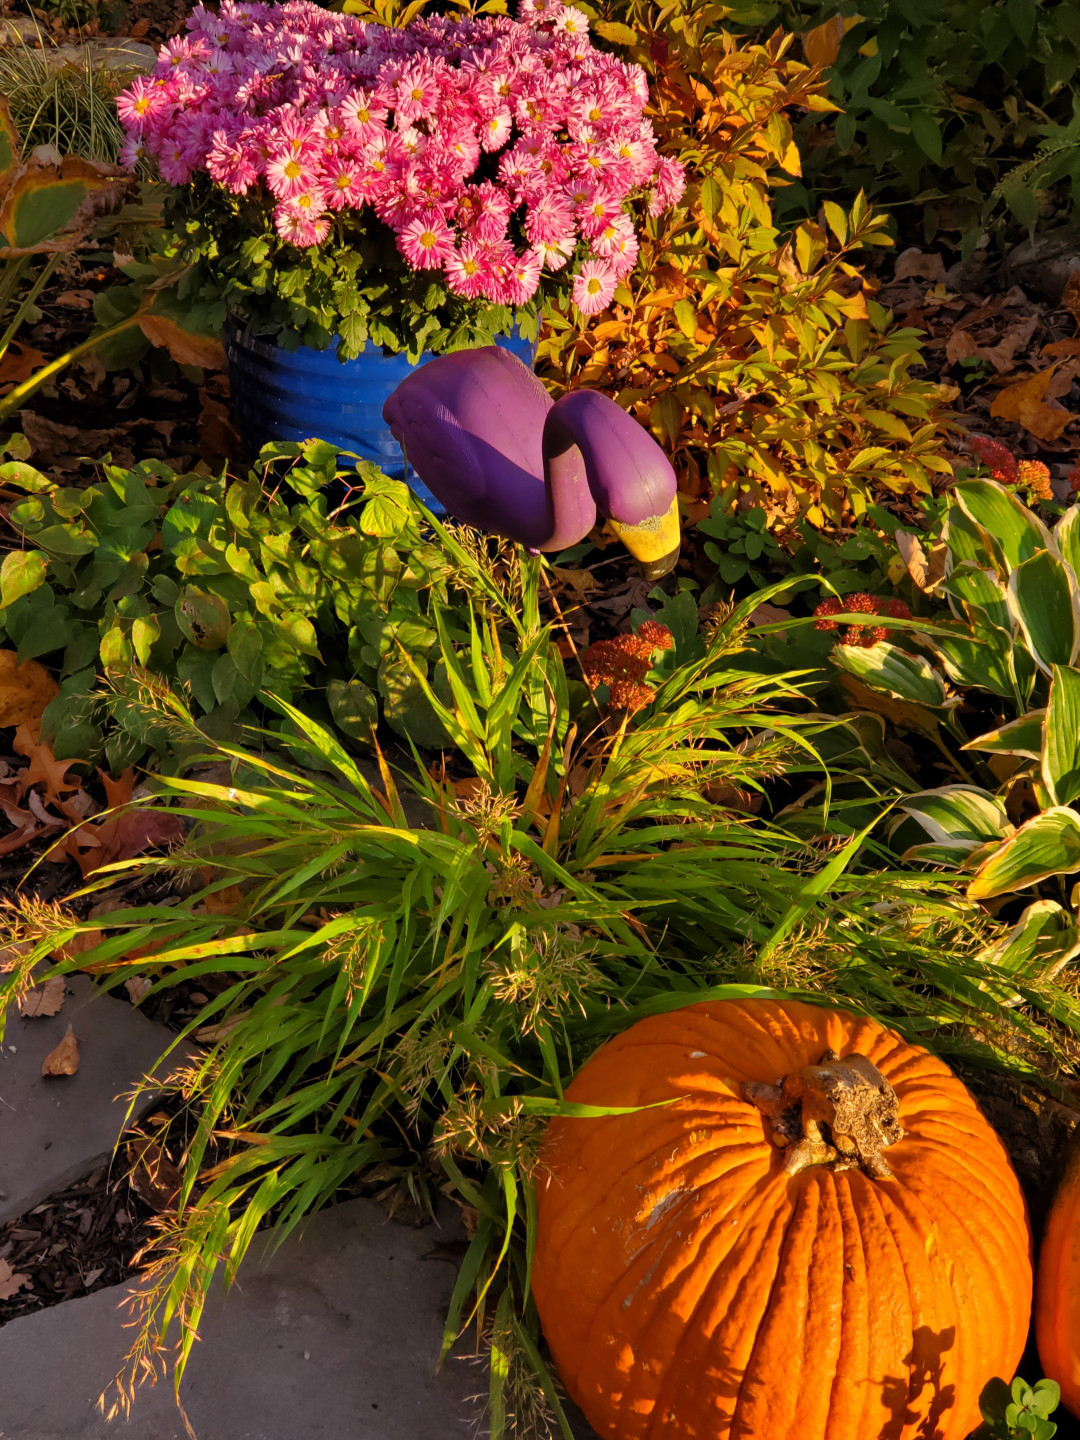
<point x="760" y="361"/>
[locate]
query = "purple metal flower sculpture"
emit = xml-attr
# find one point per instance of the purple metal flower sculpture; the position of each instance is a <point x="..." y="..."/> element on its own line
<point x="483" y="435"/>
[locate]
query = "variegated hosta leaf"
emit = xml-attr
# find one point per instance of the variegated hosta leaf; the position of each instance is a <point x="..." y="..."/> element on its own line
<point x="959" y="816"/>
<point x="1045" y="602"/>
<point x="1019" y="737"/>
<point x="1067" y="538"/>
<point x="1047" y="845"/>
<point x="1042" y="941"/>
<point x="886" y="667"/>
<point x="1061" y="737"/>
<point x="1013" y="533"/>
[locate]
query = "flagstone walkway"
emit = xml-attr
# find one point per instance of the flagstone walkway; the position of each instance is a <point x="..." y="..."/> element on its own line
<point x="333" y="1337"/>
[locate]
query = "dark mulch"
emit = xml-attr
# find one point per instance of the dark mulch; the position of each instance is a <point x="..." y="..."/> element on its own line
<point x="74" y="1243"/>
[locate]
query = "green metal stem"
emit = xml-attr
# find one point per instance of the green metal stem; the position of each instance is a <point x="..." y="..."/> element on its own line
<point x="20" y="314"/>
<point x="41" y="377"/>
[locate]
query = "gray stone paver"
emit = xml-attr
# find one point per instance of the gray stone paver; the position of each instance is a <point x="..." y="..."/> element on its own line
<point x="55" y="1130"/>
<point x="334" y="1337"/>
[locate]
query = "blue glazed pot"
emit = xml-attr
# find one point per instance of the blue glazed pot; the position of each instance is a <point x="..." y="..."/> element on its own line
<point x="306" y="394"/>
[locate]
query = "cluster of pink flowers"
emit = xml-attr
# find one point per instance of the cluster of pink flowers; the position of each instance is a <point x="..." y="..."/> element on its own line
<point x="862" y="633"/>
<point x="490" y="146"/>
<point x="1004" y="466"/>
<point x="623" y="662"/>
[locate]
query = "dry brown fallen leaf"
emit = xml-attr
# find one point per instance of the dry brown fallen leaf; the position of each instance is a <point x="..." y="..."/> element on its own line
<point x="46" y="999"/>
<point x="154" y="1177"/>
<point x="137" y="987"/>
<point x="10" y="1282"/>
<point x="19" y="363"/>
<point x="64" y="1060"/>
<point x="25" y="690"/>
<point x="1026" y="401"/>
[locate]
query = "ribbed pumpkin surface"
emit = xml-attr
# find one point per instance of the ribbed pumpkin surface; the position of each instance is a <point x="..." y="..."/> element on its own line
<point x="1057" y="1288"/>
<point x="691" y="1290"/>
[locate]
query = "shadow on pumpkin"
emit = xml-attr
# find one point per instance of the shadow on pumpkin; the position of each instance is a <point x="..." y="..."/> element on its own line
<point x="921" y="1398"/>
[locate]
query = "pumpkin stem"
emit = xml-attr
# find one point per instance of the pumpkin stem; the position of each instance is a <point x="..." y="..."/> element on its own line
<point x="842" y="1113"/>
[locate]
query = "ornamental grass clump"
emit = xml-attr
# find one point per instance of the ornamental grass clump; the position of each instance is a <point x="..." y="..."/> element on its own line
<point x="485" y="161"/>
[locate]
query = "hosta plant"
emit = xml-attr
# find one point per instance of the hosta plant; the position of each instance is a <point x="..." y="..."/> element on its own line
<point x="760" y="359"/>
<point x="401" y="1007"/>
<point x="1010" y="659"/>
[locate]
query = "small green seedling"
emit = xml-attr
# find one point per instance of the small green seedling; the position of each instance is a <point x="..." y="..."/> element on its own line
<point x="1018" y="1411"/>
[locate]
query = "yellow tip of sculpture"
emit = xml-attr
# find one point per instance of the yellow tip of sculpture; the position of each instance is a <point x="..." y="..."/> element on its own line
<point x="654" y="543"/>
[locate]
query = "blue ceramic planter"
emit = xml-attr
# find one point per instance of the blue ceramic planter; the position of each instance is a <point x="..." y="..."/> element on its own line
<point x="303" y="394"/>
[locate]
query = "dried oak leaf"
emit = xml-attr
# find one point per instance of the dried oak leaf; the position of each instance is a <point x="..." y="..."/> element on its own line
<point x="10" y="1282"/>
<point x="154" y="1177"/>
<point x="19" y="363"/>
<point x="43" y="767"/>
<point x="25" y="690"/>
<point x="64" y="1060"/>
<point x="1026" y="402"/>
<point x="45" y="999"/>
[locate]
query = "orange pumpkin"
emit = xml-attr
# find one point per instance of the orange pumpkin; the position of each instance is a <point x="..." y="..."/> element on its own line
<point x="799" y="1247"/>
<point x="1057" y="1288"/>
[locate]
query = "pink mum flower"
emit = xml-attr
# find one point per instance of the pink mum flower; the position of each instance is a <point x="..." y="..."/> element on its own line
<point x="465" y="272"/>
<point x="416" y="92"/>
<point x="495" y="130"/>
<point x="523" y="278"/>
<point x="426" y="242"/>
<point x="571" y="22"/>
<point x="363" y="117"/>
<point x="556" y="253"/>
<point x="594" y="287"/>
<point x="287" y="175"/>
<point x="144" y="101"/>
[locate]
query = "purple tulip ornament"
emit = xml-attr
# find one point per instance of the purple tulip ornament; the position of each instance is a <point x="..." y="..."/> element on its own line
<point x="484" y="436"/>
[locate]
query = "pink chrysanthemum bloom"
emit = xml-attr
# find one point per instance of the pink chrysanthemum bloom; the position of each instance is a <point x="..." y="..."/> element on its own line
<point x="300" y="228"/>
<point x="571" y="22"/>
<point x="597" y="214"/>
<point x="287" y="175"/>
<point x="537" y="12"/>
<point x="556" y="253"/>
<point x="465" y="272"/>
<point x="549" y="219"/>
<point x="523" y="278"/>
<point x="173" y="163"/>
<point x="416" y="92"/>
<point x="133" y="152"/>
<point x="426" y="242"/>
<point x="484" y="210"/>
<point x="669" y="187"/>
<point x="594" y="287"/>
<point x="230" y="163"/>
<point x="144" y="101"/>
<point x="340" y="179"/>
<point x="363" y="117"/>
<point x="495" y="130"/>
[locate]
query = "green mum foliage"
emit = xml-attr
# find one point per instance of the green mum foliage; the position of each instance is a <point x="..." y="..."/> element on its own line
<point x="231" y="592"/>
